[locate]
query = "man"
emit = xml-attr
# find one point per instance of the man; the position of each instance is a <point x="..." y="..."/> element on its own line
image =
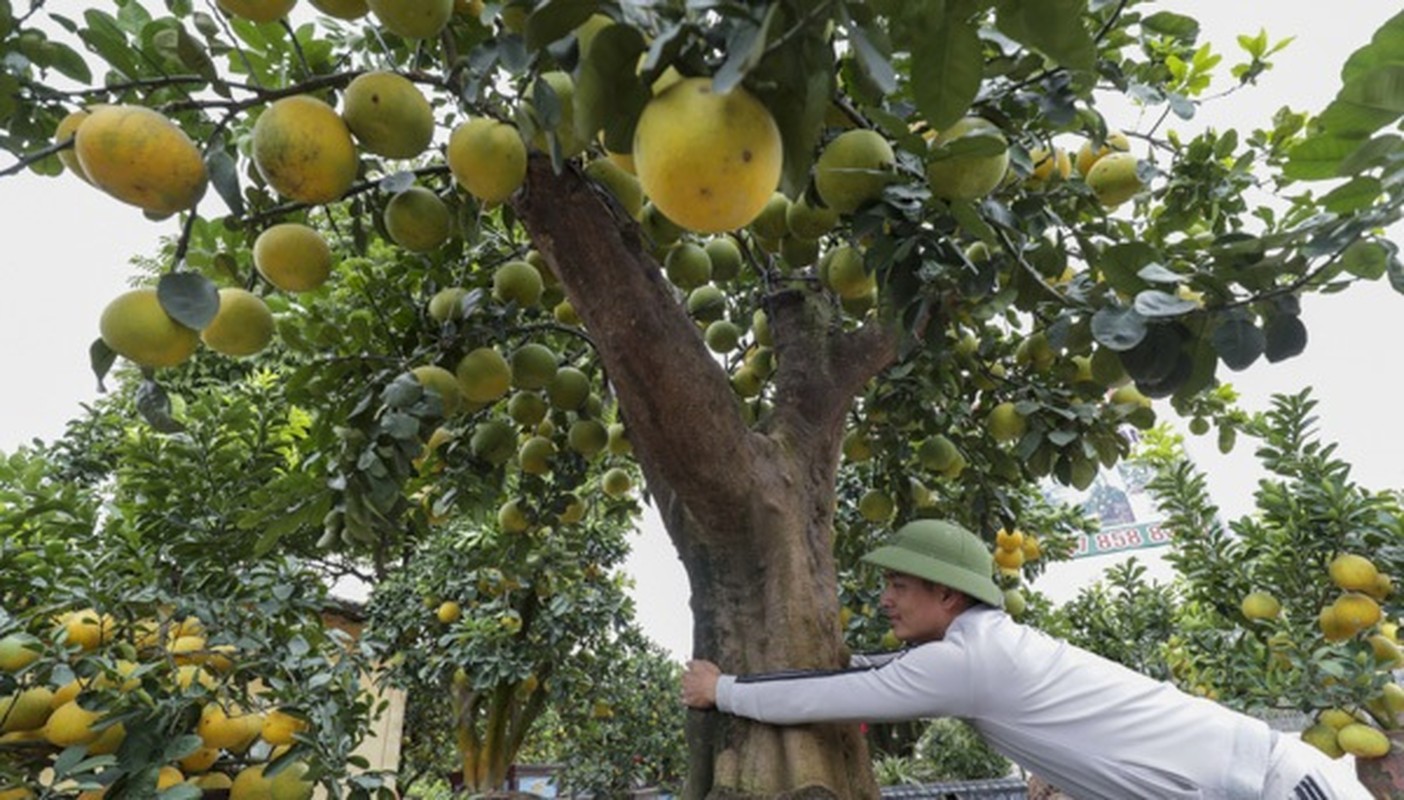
<point x="1091" y="727"/>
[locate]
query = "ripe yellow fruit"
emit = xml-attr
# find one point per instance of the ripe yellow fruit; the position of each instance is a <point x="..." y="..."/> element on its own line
<point x="483" y="375"/>
<point x="1353" y="573"/>
<point x="967" y="177"/>
<point x="616" y="482"/>
<point x="448" y="613"/>
<point x="1337" y="718"/>
<point x="1032" y="549"/>
<point x="18" y="651"/>
<point x="1333" y="627"/>
<point x="199" y="761"/>
<point x="511" y="518"/>
<point x="280" y="727"/>
<point x="1324" y="738"/>
<point x="219" y="728"/>
<point x="1356" y="611"/>
<point x="853" y="169"/>
<point x="1005" y="423"/>
<point x="388" y="115"/>
<point x="623" y="185"/>
<point x="443" y="383"/>
<point x="27" y="710"/>
<point x="17" y="793"/>
<point x="1009" y="560"/>
<point x="446" y="304"/>
<point x="517" y="282"/>
<point x="292" y="257"/>
<point x="413" y="19"/>
<point x="342" y="9"/>
<point x="619" y="443"/>
<point x="709" y="161"/>
<point x="68" y="129"/>
<point x="487" y="158"/>
<point x="71" y="724"/>
<point x="1049" y="167"/>
<point x="167" y="777"/>
<point x="212" y="782"/>
<point x="534" y="456"/>
<point x="1009" y="540"/>
<point x="303" y="149"/>
<point x="1260" y="605"/>
<point x="418" y="220"/>
<point x="1113" y="179"/>
<point x="1363" y="741"/>
<point x="87" y="629"/>
<point x="258" y="10"/>
<point x="288" y="784"/>
<point x="1088" y="156"/>
<point x="243" y="326"/>
<point x="139" y="157"/>
<point x="135" y="326"/>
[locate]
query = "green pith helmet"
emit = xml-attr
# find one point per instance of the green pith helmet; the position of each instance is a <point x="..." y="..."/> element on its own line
<point x="944" y="553"/>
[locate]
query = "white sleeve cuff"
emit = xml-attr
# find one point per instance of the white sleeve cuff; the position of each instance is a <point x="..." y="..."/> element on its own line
<point x="725" y="684"/>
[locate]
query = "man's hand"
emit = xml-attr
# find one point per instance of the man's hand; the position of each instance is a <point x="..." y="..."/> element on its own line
<point x="699" y="684"/>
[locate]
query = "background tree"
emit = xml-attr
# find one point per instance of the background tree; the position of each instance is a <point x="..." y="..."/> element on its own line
<point x="945" y="286"/>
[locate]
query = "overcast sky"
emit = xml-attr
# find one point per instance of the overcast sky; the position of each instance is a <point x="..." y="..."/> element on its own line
<point x="69" y="248"/>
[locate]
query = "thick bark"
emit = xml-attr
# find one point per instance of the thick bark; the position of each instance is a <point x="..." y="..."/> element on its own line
<point x="749" y="511"/>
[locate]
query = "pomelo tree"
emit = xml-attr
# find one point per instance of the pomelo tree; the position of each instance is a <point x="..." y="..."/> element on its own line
<point x="758" y="249"/>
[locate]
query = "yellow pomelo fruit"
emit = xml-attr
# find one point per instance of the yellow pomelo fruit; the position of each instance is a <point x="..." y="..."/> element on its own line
<point x="1387" y="652"/>
<point x="71" y="724"/>
<point x="1332" y="627"/>
<point x="616" y="482"/>
<point x="188" y="675"/>
<point x="527" y="408"/>
<point x="292" y="257"/>
<point x="68" y="129"/>
<point x="483" y="375"/>
<point x="18" y="651"/>
<point x="243" y="326"/>
<point x="443" y="383"/>
<point x="221" y="729"/>
<point x="413" y="19"/>
<point x="1113" y="179"/>
<point x="187" y="649"/>
<point x="448" y="613"/>
<point x="140" y="157"/>
<point x="587" y="436"/>
<point x="938" y="453"/>
<point x="1005" y="423"/>
<point x="573" y="512"/>
<point x="487" y="158"/>
<point x="1337" y="718"/>
<point x="706" y="304"/>
<point x="1356" y="611"/>
<point x="303" y="149"/>
<point x="809" y="221"/>
<point x="1127" y="394"/>
<point x="619" y="443"/>
<point x="1049" y="167"/>
<point x="569" y="389"/>
<point x="418" y="220"/>
<point x="533" y="366"/>
<point x="1361" y="740"/>
<point x="288" y="784"/>
<point x="709" y="161"/>
<point x="1088" y="155"/>
<point x="135" y="326"/>
<point x="1009" y="540"/>
<point x="565" y="314"/>
<point x="1032" y="549"/>
<point x="517" y="282"/>
<point x="446" y="304"/>
<point x="1324" y="738"/>
<point x="258" y="10"/>
<point x="1353" y="573"/>
<point x="280" y="727"/>
<point x="200" y="760"/>
<point x="212" y="782"/>
<point x="27" y="710"/>
<point x="388" y="115"/>
<point x="772" y="223"/>
<point x="1384" y="586"/>
<point x="722" y="336"/>
<point x="853" y="169"/>
<point x="1260" y="605"/>
<point x="167" y="777"/>
<point x="968" y="176"/>
<point x="623" y="185"/>
<point x="493" y="441"/>
<point x="342" y="9"/>
<point x="17" y="793"/>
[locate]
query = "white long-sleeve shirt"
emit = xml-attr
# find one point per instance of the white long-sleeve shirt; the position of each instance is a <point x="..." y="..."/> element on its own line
<point x="1090" y="726"/>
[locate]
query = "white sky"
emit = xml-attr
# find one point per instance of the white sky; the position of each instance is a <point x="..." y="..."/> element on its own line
<point x="70" y="247"/>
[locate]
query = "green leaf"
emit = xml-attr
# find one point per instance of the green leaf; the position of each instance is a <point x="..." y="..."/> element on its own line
<point x="1238" y="341"/>
<point x="875" y="63"/>
<point x="154" y="405"/>
<point x="796" y="83"/>
<point x="1365" y="259"/>
<point x="608" y="92"/>
<point x="1385" y="47"/>
<point x="1367" y="102"/>
<point x="555" y="20"/>
<point x="1174" y="25"/>
<point x="1354" y="195"/>
<point x="189" y="298"/>
<point x="67" y="61"/>
<point x="106" y="39"/>
<point x="1121" y="264"/>
<point x="1285" y="336"/>
<point x="224" y="175"/>
<point x="745" y="48"/>
<point x="101" y="358"/>
<point x="180" y="747"/>
<point x="1154" y="303"/>
<point x="1053" y="27"/>
<point x="946" y="72"/>
<point x="1119" y="328"/>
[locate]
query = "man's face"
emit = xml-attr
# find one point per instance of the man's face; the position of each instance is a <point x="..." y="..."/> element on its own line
<point x="919" y="610"/>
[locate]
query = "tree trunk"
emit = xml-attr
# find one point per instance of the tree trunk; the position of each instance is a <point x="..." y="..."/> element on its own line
<point x="750" y="511"/>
